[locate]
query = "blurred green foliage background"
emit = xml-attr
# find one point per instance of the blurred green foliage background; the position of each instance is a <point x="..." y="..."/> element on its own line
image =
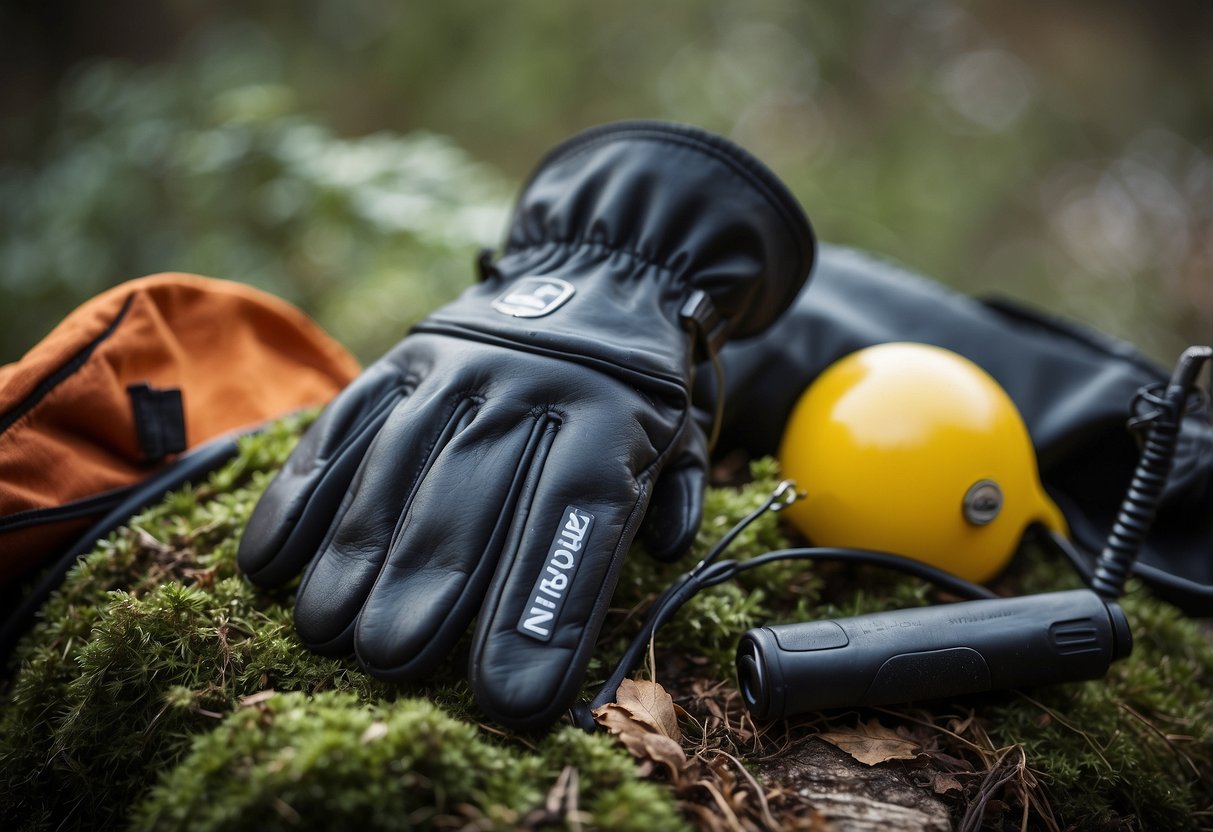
<point x="352" y="155"/>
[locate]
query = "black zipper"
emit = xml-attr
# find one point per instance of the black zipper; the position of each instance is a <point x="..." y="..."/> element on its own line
<point x="86" y="507"/>
<point x="63" y="372"/>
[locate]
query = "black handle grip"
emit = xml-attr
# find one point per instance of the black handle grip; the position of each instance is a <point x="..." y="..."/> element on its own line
<point x="930" y="652"/>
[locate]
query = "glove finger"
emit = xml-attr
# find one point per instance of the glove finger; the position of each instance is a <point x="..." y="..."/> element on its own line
<point x="446" y="552"/>
<point x="676" y="510"/>
<point x="339" y="579"/>
<point x="578" y="513"/>
<point x="297" y="507"/>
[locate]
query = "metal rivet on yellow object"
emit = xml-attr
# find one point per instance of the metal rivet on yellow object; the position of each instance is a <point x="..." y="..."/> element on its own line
<point x="915" y="450"/>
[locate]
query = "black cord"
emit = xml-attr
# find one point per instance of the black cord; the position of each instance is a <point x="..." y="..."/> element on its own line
<point x="1080" y="562"/>
<point x="670" y="601"/>
<point x="725" y="570"/>
<point x="1144" y="495"/>
<point x="708" y="572"/>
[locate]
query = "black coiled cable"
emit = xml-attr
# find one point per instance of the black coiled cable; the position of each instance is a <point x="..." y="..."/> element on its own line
<point x="1145" y="492"/>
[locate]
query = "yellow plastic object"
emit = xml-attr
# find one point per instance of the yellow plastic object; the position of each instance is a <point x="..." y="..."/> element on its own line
<point x="915" y="450"/>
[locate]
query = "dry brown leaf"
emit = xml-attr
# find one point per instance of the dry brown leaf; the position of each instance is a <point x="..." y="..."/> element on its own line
<point x="648" y="703"/>
<point x="958" y="726"/>
<point x="943" y="783"/>
<point x="615" y="718"/>
<point x="643" y="744"/>
<point x="871" y="743"/>
<point x="658" y="749"/>
<point x="641" y="720"/>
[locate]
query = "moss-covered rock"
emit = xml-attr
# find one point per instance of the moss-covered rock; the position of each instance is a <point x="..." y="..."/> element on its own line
<point x="142" y="665"/>
<point x="159" y="689"/>
<point x="334" y="761"/>
<point x="152" y="638"/>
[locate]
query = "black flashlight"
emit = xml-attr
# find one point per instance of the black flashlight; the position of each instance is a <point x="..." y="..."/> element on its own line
<point x="930" y="652"/>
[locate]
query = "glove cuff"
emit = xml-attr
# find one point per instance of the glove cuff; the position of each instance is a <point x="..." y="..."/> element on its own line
<point x="703" y="211"/>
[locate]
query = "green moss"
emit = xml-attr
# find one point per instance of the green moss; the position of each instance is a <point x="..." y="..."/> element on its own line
<point x="610" y="791"/>
<point x="332" y="760"/>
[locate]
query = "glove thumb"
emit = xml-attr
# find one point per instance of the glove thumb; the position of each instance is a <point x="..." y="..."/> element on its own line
<point x="676" y="510"/>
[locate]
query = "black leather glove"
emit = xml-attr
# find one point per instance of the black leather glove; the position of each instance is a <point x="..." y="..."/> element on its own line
<point x="496" y="464"/>
<point x="1075" y="388"/>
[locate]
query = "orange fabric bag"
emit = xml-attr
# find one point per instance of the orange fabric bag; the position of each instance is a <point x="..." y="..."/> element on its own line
<point x="134" y="377"/>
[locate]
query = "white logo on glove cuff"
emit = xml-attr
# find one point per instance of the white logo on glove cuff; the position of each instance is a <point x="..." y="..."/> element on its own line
<point x="551" y="587"/>
<point x="534" y="297"/>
